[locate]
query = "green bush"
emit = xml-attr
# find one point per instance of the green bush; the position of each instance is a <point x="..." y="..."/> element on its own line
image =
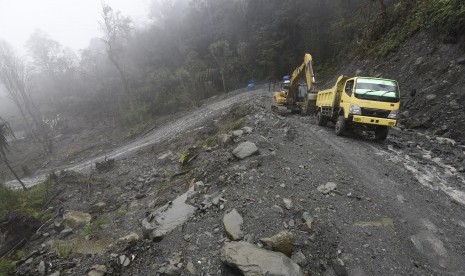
<point x="7" y="267"/>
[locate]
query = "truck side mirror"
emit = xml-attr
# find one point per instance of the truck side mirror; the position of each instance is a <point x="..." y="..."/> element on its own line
<point x="413" y="93"/>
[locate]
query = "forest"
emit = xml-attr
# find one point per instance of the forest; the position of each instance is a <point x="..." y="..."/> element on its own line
<point x="200" y="48"/>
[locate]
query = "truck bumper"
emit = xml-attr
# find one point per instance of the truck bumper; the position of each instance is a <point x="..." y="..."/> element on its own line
<point x="373" y="121"/>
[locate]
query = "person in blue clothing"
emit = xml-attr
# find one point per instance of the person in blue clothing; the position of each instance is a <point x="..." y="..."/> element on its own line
<point x="251" y="86"/>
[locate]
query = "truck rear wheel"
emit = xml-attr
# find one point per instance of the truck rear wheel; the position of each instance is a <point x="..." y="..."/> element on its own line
<point x="340" y="125"/>
<point x="381" y="133"/>
<point x="320" y="119"/>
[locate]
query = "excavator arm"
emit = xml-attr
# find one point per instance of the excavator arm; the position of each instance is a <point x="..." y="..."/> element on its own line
<point x="306" y="68"/>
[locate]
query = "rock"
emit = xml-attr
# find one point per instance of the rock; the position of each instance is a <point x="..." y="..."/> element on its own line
<point x="454" y="104"/>
<point x="232" y="222"/>
<point x="124" y="261"/>
<point x="287" y="203"/>
<point x="170" y="270"/>
<point x="41" y="268"/>
<point x="245" y="149"/>
<point x="65" y="233"/>
<point x="237" y="133"/>
<point x="430" y="97"/>
<point x="282" y="242"/>
<point x="76" y="219"/>
<point x="131" y="237"/>
<point x="97" y="270"/>
<point x="98" y="207"/>
<point x="308" y="219"/>
<point x="58" y="227"/>
<point x="413" y="123"/>
<point x="187" y="237"/>
<point x="253" y="261"/>
<point x="165" y="155"/>
<point x="419" y="61"/>
<point x="327" y="188"/>
<point x="299" y="258"/>
<point x="447" y="141"/>
<point x="247" y="130"/>
<point x="358" y="72"/>
<point x="191" y="268"/>
<point x="224" y="139"/>
<point x="277" y="209"/>
<point x="56" y="273"/>
<point x="460" y="60"/>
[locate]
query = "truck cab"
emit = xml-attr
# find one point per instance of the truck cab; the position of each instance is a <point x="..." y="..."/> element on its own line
<point x="363" y="101"/>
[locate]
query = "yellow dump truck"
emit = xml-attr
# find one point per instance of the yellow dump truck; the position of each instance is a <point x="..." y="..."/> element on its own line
<point x="371" y="103"/>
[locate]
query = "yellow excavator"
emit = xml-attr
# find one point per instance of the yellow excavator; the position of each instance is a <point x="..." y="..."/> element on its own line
<point x="296" y="96"/>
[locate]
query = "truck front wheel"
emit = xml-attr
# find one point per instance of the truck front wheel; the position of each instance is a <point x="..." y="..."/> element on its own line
<point x="320" y="119"/>
<point x="381" y="133"/>
<point x="340" y="125"/>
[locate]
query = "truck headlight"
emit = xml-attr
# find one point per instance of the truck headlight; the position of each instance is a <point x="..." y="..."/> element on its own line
<point x="393" y="114"/>
<point x="355" y="109"/>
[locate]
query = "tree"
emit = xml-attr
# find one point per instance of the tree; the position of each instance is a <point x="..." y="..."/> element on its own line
<point x="116" y="29"/>
<point x="14" y="76"/>
<point x="6" y="133"/>
<point x="221" y="53"/>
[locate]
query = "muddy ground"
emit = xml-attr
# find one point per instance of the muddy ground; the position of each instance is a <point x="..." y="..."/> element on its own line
<point x="397" y="208"/>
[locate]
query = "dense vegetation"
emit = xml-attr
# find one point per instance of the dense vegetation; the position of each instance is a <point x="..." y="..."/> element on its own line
<point x="197" y="48"/>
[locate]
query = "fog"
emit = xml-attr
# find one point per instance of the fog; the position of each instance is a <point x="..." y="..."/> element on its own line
<point x="70" y="22"/>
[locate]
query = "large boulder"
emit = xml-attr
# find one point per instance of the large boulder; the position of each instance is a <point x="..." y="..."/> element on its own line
<point x="76" y="219"/>
<point x="232" y="222"/>
<point x="254" y="261"/>
<point x="245" y="149"/>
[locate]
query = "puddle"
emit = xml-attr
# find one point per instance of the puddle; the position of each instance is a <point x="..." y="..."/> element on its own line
<point x="166" y="218"/>
<point x="436" y="176"/>
<point x="384" y="222"/>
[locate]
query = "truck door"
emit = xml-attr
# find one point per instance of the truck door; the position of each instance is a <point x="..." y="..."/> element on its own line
<point x="346" y="96"/>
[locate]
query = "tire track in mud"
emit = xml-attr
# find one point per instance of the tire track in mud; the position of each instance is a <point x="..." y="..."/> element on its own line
<point x="169" y="131"/>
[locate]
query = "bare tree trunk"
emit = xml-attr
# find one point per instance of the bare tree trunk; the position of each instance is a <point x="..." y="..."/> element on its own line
<point x="223" y="80"/>
<point x="124" y="80"/>
<point x="13" y="172"/>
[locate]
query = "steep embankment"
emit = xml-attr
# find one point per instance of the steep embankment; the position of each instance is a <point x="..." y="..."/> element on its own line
<point x="435" y="71"/>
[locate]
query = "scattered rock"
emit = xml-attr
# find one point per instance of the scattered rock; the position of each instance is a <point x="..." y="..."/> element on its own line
<point x="299" y="258"/>
<point x="98" y="207"/>
<point x="131" y="237"/>
<point x="277" y="209"/>
<point x="232" y="222"/>
<point x="430" y="97"/>
<point x="124" y="260"/>
<point x="287" y="203"/>
<point x="384" y="222"/>
<point x="282" y="242"/>
<point x="308" y="219"/>
<point x="247" y="130"/>
<point x="56" y="273"/>
<point x="191" y="268"/>
<point x="460" y="60"/>
<point x="41" y="268"/>
<point x="238" y="133"/>
<point x="419" y="61"/>
<point x="165" y="155"/>
<point x="245" y="149"/>
<point x="224" y="139"/>
<point x="76" y="219"/>
<point x="170" y="270"/>
<point x="454" y="104"/>
<point x="97" y="270"/>
<point x="413" y="123"/>
<point x="65" y="233"/>
<point x="327" y="188"/>
<point x="253" y="261"/>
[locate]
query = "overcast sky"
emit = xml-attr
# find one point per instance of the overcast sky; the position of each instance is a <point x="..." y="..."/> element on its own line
<point x="70" y="22"/>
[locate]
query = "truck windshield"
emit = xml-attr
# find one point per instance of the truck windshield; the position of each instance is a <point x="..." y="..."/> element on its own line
<point x="377" y="89"/>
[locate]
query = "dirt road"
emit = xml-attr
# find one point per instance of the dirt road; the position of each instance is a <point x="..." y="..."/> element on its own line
<point x="392" y="208"/>
<point x="164" y="133"/>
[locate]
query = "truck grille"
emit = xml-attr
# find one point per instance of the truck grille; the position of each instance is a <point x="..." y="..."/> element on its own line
<point x="378" y="113"/>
